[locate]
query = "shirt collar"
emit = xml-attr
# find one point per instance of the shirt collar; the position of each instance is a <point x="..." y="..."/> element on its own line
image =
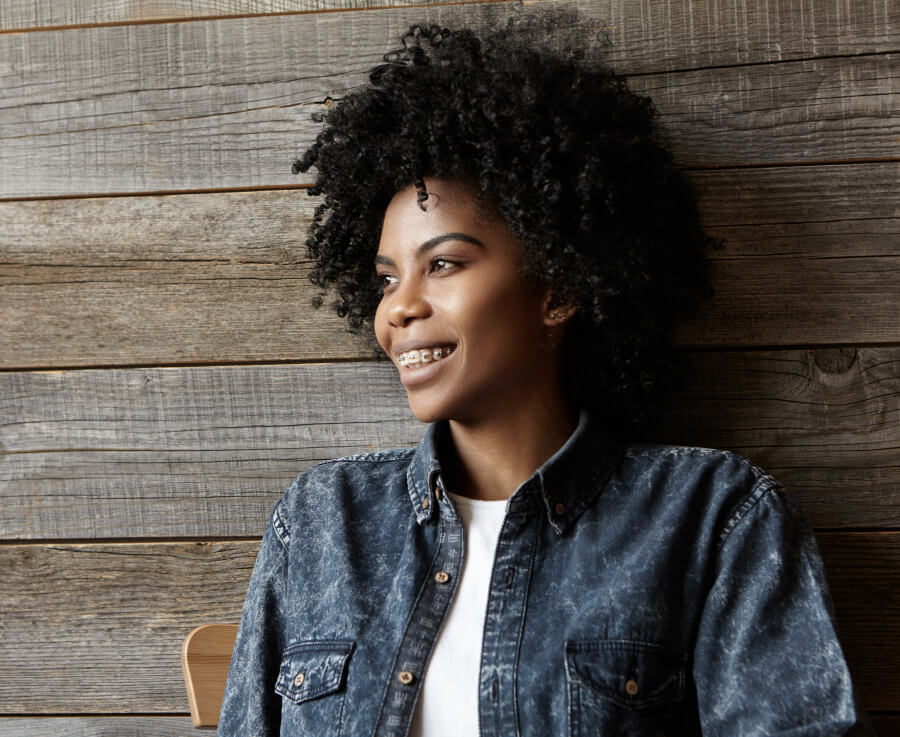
<point x="563" y="487"/>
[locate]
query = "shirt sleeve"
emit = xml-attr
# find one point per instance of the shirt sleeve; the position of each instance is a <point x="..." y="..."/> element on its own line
<point x="767" y="659"/>
<point x="250" y="706"/>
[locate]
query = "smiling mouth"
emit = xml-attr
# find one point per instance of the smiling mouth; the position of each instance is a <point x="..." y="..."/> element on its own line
<point x="422" y="356"/>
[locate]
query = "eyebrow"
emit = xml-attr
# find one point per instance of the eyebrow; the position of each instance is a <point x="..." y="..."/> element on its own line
<point x="433" y="243"/>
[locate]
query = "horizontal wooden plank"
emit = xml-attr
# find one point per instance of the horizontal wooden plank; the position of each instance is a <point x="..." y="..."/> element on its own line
<point x="207" y="451"/>
<point x="864" y="573"/>
<point x="118" y="613"/>
<point x="111" y="726"/>
<point x="98" y="628"/>
<point x="655" y="36"/>
<point x="805" y="111"/>
<point x="174" y="452"/>
<point x="226" y="103"/>
<point x="27" y="14"/>
<point x="825" y="423"/>
<point x="810" y="257"/>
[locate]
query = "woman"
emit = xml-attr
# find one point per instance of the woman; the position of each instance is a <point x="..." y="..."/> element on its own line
<point x="506" y="218"/>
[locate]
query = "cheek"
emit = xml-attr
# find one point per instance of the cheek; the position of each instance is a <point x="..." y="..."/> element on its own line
<point x="380" y="325"/>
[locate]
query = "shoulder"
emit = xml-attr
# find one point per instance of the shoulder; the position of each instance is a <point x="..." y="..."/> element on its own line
<point x="360" y="470"/>
<point x="335" y="489"/>
<point x="672" y="464"/>
<point x="718" y="486"/>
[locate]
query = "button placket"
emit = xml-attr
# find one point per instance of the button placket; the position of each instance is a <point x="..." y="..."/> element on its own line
<point x="423" y="626"/>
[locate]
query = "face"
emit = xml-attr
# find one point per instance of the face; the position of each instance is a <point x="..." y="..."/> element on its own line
<point x="467" y="332"/>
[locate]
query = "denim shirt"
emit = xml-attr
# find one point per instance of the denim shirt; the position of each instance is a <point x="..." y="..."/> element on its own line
<point x="641" y="590"/>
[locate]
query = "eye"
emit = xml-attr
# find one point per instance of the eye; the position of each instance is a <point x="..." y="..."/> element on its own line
<point x="442" y="264"/>
<point x="384" y="281"/>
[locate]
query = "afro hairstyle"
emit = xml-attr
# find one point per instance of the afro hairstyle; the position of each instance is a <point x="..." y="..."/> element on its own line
<point x="572" y="160"/>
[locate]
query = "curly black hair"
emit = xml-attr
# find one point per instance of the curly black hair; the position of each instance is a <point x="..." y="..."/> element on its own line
<point x="571" y="159"/>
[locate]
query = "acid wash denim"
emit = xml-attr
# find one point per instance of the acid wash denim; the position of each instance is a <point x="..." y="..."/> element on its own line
<point x="641" y="590"/>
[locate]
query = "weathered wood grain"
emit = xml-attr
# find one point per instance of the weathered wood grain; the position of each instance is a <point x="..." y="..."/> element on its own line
<point x="810" y="257"/>
<point x="98" y="629"/>
<point x="863" y="572"/>
<point x="656" y="35"/>
<point x="226" y="103"/>
<point x="111" y="726"/>
<point x="175" y="452"/>
<point x="118" y="613"/>
<point x="207" y="451"/>
<point x="825" y="423"/>
<point x="805" y="111"/>
<point x="30" y="15"/>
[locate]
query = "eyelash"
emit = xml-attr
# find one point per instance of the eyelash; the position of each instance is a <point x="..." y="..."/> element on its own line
<point x="383" y="279"/>
<point x="435" y="261"/>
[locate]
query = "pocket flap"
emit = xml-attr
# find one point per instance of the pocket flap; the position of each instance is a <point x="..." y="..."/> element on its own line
<point x="313" y="669"/>
<point x="630" y="673"/>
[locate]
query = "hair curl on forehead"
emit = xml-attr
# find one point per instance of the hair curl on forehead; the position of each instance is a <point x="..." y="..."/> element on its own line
<point x="558" y="146"/>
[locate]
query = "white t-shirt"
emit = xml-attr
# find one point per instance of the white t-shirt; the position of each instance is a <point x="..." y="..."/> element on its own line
<point x="448" y="702"/>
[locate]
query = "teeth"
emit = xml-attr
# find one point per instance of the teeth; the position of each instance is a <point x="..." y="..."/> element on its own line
<point x="423" y="356"/>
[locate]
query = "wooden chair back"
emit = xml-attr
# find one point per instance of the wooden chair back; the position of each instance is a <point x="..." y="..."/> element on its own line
<point x="205" y="657"/>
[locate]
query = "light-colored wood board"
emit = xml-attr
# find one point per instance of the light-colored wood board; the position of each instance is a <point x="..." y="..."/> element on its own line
<point x="118" y="613"/>
<point x="805" y="111"/>
<point x="46" y="14"/>
<point x="227" y="103"/>
<point x="654" y="35"/>
<point x="181" y="452"/>
<point x="98" y="726"/>
<point x="207" y="451"/>
<point x="98" y="629"/>
<point x="809" y="257"/>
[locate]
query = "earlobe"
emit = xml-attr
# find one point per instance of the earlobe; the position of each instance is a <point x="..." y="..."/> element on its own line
<point x="557" y="311"/>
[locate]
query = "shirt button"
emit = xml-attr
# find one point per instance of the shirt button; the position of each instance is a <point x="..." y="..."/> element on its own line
<point x="425" y="503"/>
<point x="560" y="509"/>
<point x="631" y="687"/>
<point x="442" y="576"/>
<point x="298" y="679"/>
<point x="405" y="677"/>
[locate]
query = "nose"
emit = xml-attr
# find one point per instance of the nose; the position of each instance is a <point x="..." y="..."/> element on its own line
<point x="407" y="303"/>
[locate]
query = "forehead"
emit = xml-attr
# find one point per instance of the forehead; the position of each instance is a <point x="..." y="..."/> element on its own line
<point x="450" y="206"/>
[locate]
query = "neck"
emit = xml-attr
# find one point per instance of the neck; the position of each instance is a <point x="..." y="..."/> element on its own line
<point x="489" y="459"/>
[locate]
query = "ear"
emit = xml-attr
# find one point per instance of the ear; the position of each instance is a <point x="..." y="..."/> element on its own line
<point x="556" y="310"/>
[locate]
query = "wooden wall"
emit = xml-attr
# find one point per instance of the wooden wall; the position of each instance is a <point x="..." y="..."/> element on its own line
<point x="162" y="378"/>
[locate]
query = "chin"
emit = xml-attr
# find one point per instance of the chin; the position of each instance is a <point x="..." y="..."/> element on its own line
<point x="427" y="413"/>
<point x="429" y="409"/>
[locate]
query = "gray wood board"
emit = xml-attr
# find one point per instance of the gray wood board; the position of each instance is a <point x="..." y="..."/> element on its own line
<point x="46" y="14"/>
<point x="100" y="726"/>
<point x="181" y="452"/>
<point x="652" y="36"/>
<point x="117" y="614"/>
<point x="207" y="451"/>
<point x="810" y="257"/>
<point x="98" y="628"/>
<point x="226" y="103"/>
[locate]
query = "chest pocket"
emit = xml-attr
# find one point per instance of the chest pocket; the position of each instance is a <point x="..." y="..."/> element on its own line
<point x="624" y="687"/>
<point x="312" y="683"/>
